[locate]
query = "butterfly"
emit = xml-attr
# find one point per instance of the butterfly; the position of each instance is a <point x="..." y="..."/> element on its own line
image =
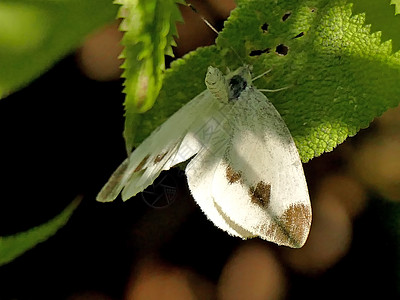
<point x="245" y="172"/>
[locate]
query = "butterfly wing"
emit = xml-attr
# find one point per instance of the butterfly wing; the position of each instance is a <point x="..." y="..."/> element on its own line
<point x="260" y="182"/>
<point x="114" y="185"/>
<point x="248" y="178"/>
<point x="173" y="142"/>
<point x="201" y="170"/>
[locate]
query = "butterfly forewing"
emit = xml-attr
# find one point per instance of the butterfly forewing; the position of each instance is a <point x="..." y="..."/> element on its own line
<point x="161" y="150"/>
<point x="260" y="181"/>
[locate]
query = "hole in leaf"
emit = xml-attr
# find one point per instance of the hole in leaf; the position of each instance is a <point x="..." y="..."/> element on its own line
<point x="259" y="52"/>
<point x="313" y="10"/>
<point x="286" y="16"/>
<point x="264" y="27"/>
<point x="299" y="35"/>
<point x="282" y="49"/>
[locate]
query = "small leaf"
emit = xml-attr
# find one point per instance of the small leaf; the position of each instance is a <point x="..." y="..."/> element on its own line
<point x="15" y="245"/>
<point x="35" y="34"/>
<point x="396" y="3"/>
<point x="149" y="27"/>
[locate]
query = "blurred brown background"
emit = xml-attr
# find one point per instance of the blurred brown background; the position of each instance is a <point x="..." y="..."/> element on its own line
<point x="63" y="136"/>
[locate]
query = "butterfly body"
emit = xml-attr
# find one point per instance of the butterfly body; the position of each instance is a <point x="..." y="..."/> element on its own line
<point x="245" y="174"/>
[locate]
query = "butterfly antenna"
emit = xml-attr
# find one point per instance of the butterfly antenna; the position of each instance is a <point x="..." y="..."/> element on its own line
<point x="212" y="27"/>
<point x="261" y="75"/>
<point x="275" y="90"/>
<point x="237" y="54"/>
<point x="203" y="18"/>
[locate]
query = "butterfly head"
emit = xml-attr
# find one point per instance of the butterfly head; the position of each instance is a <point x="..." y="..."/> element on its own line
<point x="238" y="81"/>
<point x="228" y="88"/>
<point x="243" y="72"/>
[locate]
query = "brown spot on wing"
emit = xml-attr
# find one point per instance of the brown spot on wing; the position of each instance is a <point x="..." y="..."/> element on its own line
<point x="159" y="157"/>
<point x="231" y="175"/>
<point x="292" y="228"/>
<point x="142" y="163"/>
<point x="297" y="221"/>
<point x="261" y="193"/>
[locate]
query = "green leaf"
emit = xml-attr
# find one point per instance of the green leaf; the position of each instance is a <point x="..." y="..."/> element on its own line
<point x="35" y="34"/>
<point x="340" y="75"/>
<point x="149" y="27"/>
<point x="396" y="3"/>
<point x="15" y="245"/>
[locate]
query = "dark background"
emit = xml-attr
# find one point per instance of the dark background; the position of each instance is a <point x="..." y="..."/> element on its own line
<point x="61" y="137"/>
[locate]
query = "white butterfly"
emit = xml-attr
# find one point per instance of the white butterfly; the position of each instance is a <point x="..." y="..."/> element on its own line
<point x="246" y="173"/>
